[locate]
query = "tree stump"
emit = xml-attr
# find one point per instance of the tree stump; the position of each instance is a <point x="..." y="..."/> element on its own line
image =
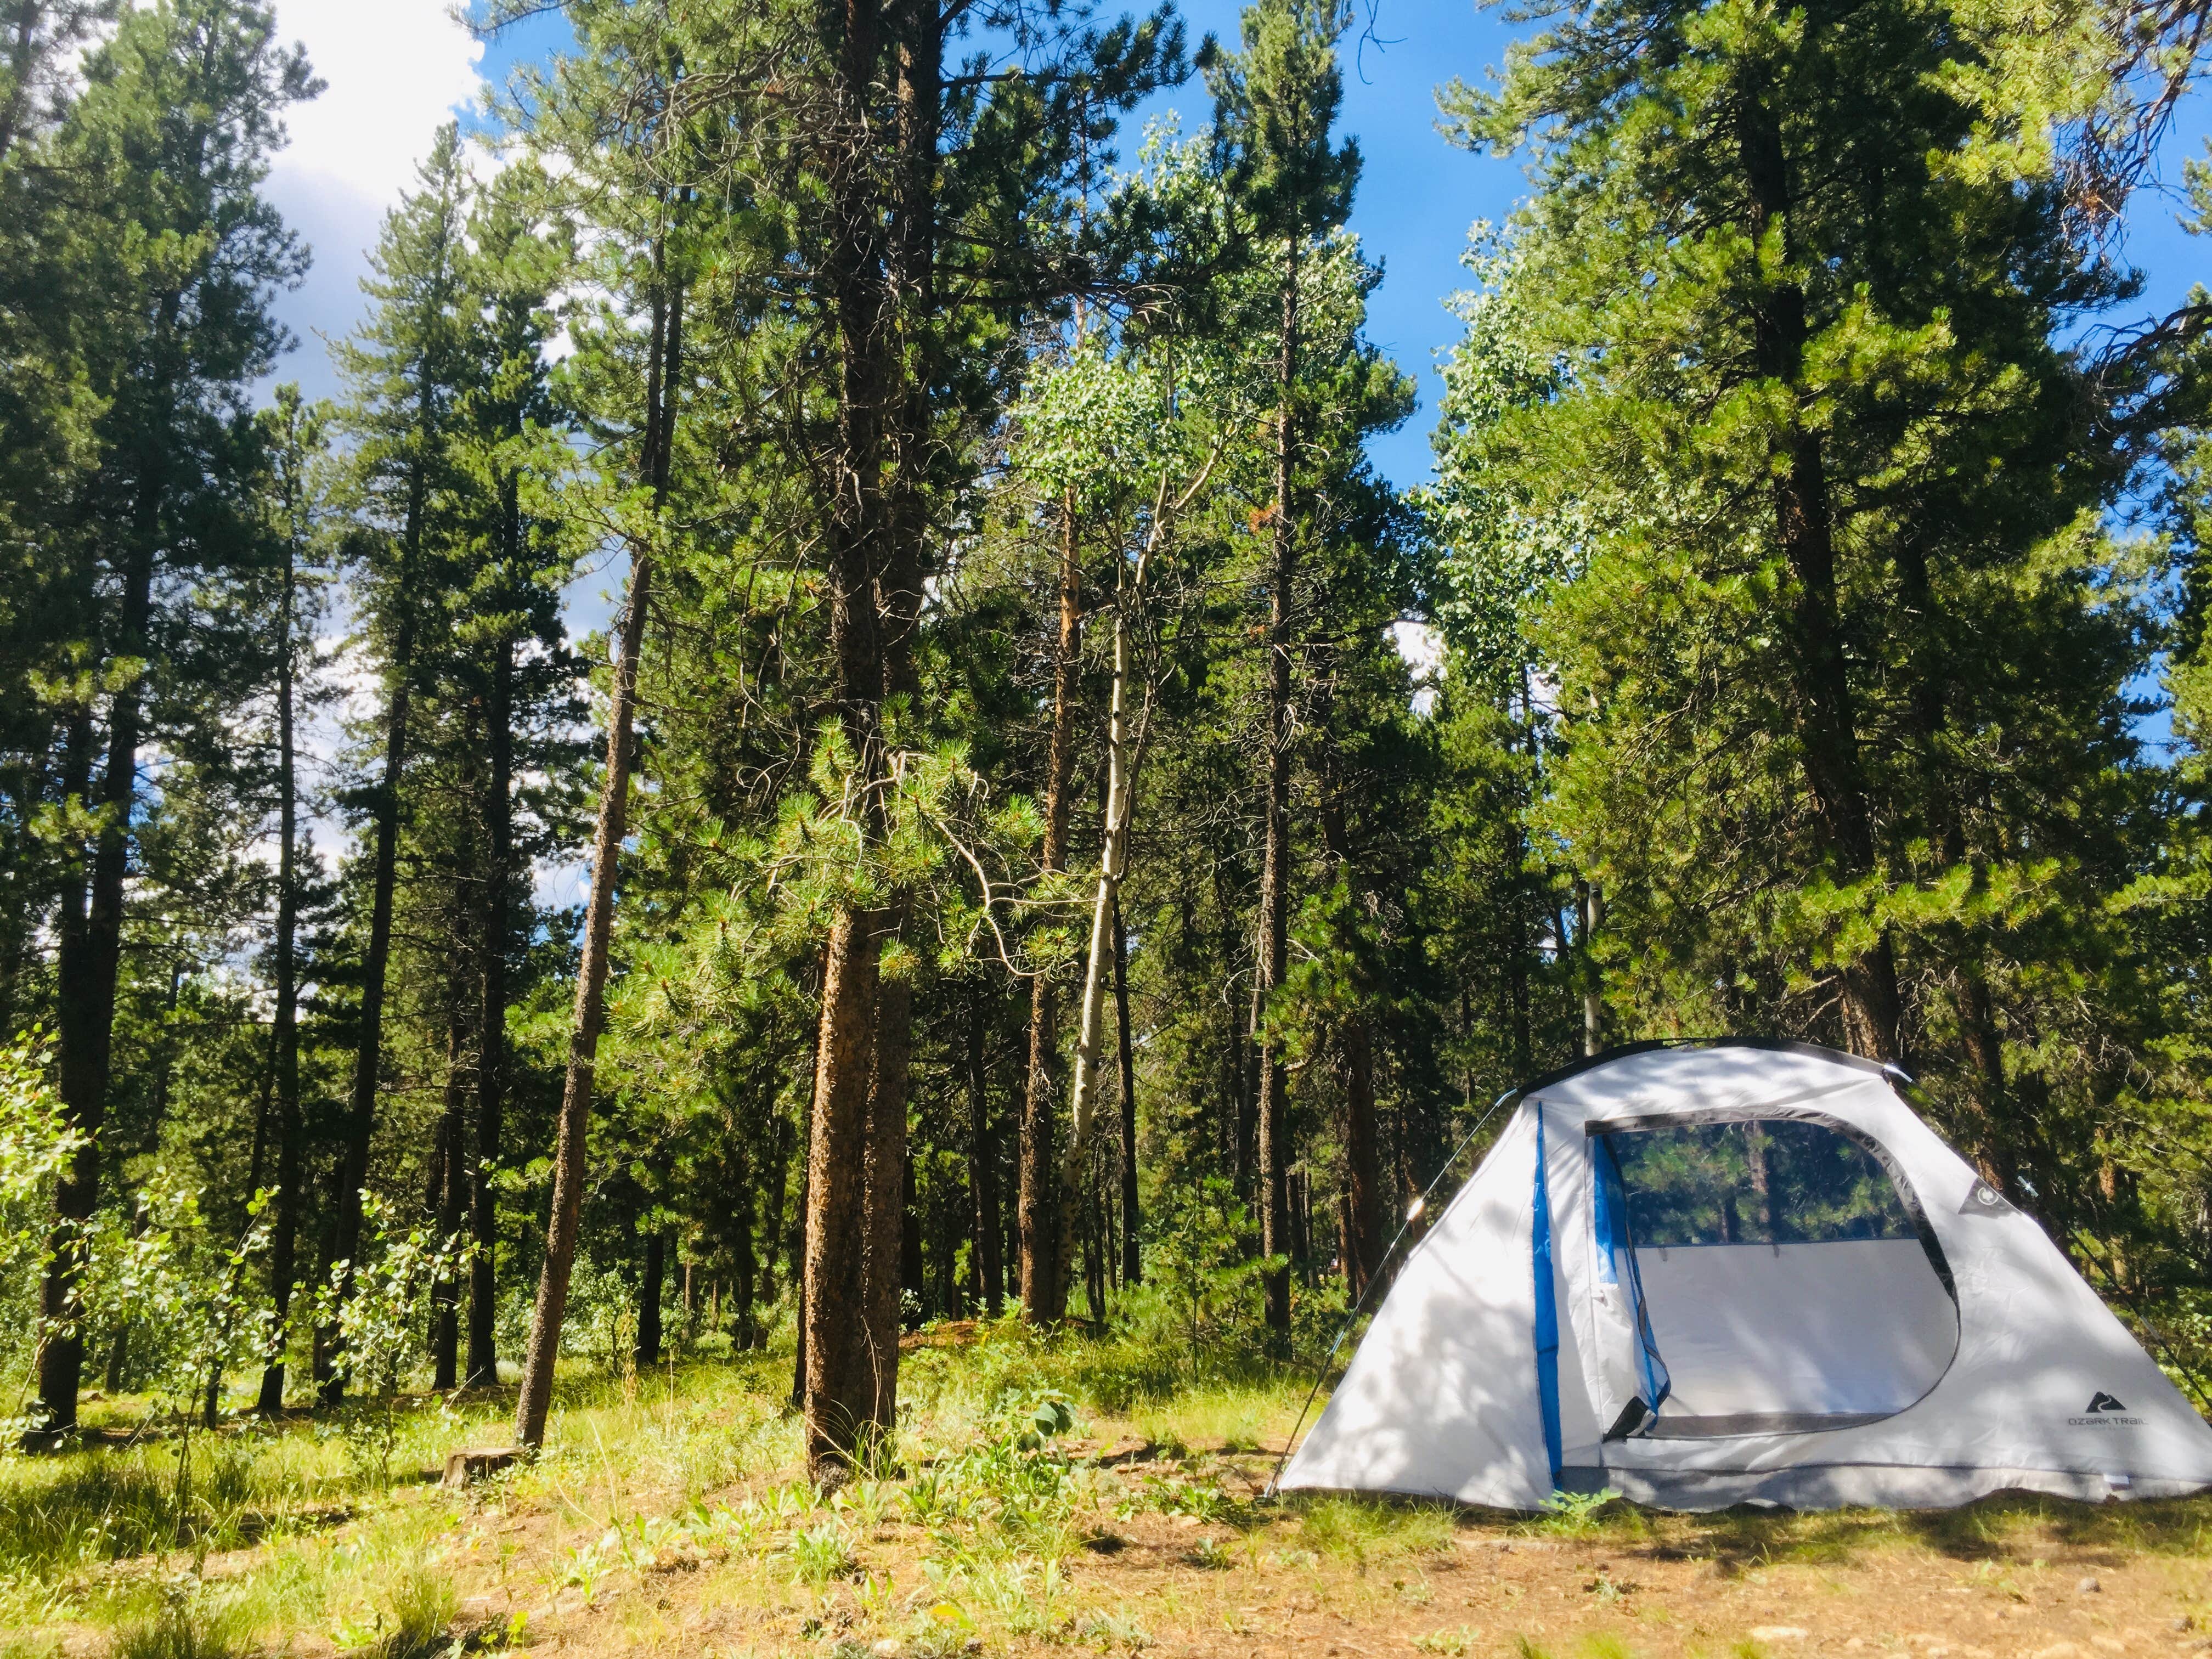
<point x="463" y="1467"/>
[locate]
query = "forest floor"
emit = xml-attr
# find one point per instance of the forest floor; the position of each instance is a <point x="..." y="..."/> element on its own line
<point x="668" y="1518"/>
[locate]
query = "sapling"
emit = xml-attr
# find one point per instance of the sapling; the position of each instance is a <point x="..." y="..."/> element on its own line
<point x="189" y="1301"/>
<point x="376" y="1307"/>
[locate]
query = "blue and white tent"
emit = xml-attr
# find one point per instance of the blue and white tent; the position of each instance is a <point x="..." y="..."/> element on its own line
<point x="1742" y="1272"/>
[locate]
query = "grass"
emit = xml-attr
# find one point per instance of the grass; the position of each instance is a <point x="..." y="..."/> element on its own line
<point x="975" y="1526"/>
<point x="1359" y="1530"/>
<point x="188" y="1627"/>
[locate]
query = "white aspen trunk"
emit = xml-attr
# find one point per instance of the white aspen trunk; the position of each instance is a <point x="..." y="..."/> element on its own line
<point x="1120" y="771"/>
<point x="1084" y="1104"/>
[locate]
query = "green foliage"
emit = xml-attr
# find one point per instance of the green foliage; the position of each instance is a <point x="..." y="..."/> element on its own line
<point x="192" y="1624"/>
<point x="186" y="1299"/>
<point x="36" y="1143"/>
<point x="1362" y="1529"/>
<point x="1575" y="1514"/>
<point x="376" y="1306"/>
<point x="823" y="1555"/>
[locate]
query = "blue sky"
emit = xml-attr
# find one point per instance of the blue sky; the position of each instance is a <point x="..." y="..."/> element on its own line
<point x="395" y="68"/>
<point x="1420" y="195"/>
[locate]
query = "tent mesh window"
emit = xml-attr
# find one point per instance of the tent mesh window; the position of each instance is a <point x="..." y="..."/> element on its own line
<point x="1786" y="1286"/>
<point x="1772" y="1182"/>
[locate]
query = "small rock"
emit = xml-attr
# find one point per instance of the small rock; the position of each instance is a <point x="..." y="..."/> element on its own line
<point x="1778" y="1633"/>
<point x="1188" y="1523"/>
<point x="2184" y="1623"/>
<point x="2088" y="1587"/>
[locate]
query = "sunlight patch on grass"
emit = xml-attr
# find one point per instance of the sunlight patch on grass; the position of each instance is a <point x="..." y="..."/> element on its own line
<point x="1361" y="1529"/>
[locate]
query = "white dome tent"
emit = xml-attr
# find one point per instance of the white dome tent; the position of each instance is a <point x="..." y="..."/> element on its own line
<point x="1742" y="1272"/>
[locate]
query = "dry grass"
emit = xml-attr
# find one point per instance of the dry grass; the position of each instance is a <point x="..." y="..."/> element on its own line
<point x="667" y="1516"/>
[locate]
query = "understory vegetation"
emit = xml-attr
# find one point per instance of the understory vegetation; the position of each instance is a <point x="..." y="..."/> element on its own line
<point x="673" y="1508"/>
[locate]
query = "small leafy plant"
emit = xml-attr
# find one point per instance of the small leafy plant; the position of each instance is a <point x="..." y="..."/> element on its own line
<point x="1575" y="1514"/>
<point x="823" y="1555"/>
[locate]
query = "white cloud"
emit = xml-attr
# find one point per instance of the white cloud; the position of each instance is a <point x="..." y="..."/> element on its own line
<point x="395" y="69"/>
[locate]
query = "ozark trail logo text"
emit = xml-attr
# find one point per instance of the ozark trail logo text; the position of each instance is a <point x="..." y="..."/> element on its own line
<point x="2105" y="1411"/>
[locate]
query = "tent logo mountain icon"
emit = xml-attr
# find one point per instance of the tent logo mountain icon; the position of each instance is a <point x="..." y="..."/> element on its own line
<point x="2102" y="1401"/>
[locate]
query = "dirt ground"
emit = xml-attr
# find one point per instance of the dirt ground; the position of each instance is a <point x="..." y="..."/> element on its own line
<point x="2040" y="1579"/>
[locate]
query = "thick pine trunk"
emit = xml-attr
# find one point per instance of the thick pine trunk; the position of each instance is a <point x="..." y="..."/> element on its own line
<point x="571" y="1147"/>
<point x="836" y="1371"/>
<point x="1827" y="718"/>
<point x="450" y="1159"/>
<point x="90" y="961"/>
<point x="284" y="1226"/>
<point x="491" y="1020"/>
<point x="369" y="1055"/>
<point x="1274" y="947"/>
<point x="1044" y="1224"/>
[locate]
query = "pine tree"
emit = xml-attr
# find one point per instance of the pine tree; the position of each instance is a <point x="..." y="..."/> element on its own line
<point x="180" y="112"/>
<point x="1763" y="434"/>
<point x="1275" y="110"/>
<point x="403" y="369"/>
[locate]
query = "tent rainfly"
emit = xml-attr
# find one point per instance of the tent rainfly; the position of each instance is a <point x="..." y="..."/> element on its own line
<point x="1742" y="1272"/>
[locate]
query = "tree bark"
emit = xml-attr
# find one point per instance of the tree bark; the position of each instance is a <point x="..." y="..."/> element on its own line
<point x="884" y="1188"/>
<point x="284" y="1224"/>
<point x="837" y="1372"/>
<point x="369" y="1055"/>
<point x="89" y="960"/>
<point x="1114" y="850"/>
<point x="1044" y="1222"/>
<point x="571" y="1147"/>
<point x="1106" y="941"/>
<point x="803" y="1234"/>
<point x="1591" y="905"/>
<point x="1273" y="954"/>
<point x="986" y="1273"/>
<point x="491" y="1013"/>
<point x="1132" y="1266"/>
<point x="1362" y="1211"/>
<point x="650" y="1285"/>
<point x="445" y="1190"/>
<point x="744" y="1268"/>
<point x="1826" y="718"/>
